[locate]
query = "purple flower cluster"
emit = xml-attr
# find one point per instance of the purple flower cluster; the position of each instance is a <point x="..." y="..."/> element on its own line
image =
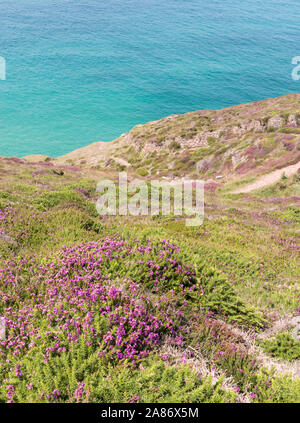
<point x="53" y="303"/>
<point x="288" y="243"/>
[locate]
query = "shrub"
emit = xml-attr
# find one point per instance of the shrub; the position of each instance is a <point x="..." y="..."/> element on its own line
<point x="276" y="389"/>
<point x="142" y="172"/>
<point x="282" y="346"/>
<point x="78" y="377"/>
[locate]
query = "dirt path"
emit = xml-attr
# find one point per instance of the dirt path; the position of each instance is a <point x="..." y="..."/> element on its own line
<point x="268" y="179"/>
<point x="281" y="366"/>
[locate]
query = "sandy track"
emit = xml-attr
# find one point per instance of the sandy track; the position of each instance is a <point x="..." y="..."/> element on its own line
<point x="269" y="179"/>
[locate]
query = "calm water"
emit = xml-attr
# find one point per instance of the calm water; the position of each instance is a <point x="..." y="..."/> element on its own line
<point x="85" y="71"/>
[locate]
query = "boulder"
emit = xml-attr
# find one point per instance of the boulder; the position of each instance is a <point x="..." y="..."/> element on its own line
<point x="292" y="121"/>
<point x="276" y="122"/>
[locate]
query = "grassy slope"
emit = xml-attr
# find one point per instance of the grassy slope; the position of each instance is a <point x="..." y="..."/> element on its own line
<point x="249" y="279"/>
<point x="237" y="142"/>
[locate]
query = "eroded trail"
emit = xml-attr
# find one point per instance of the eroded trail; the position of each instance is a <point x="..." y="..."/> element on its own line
<point x="269" y="179"/>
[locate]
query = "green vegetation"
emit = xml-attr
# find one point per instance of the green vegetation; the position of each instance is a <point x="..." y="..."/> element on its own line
<point x="283" y="346"/>
<point x="146" y="309"/>
<point x="142" y="172"/>
<point x="154" y="382"/>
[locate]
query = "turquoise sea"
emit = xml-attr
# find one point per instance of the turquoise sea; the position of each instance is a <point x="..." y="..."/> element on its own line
<point x="85" y="71"/>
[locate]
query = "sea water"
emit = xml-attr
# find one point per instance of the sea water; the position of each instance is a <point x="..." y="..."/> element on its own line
<point x="85" y="71"/>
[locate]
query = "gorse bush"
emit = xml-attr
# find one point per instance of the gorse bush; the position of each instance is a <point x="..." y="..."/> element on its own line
<point x="276" y="389"/>
<point x="283" y="346"/>
<point x="75" y="376"/>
